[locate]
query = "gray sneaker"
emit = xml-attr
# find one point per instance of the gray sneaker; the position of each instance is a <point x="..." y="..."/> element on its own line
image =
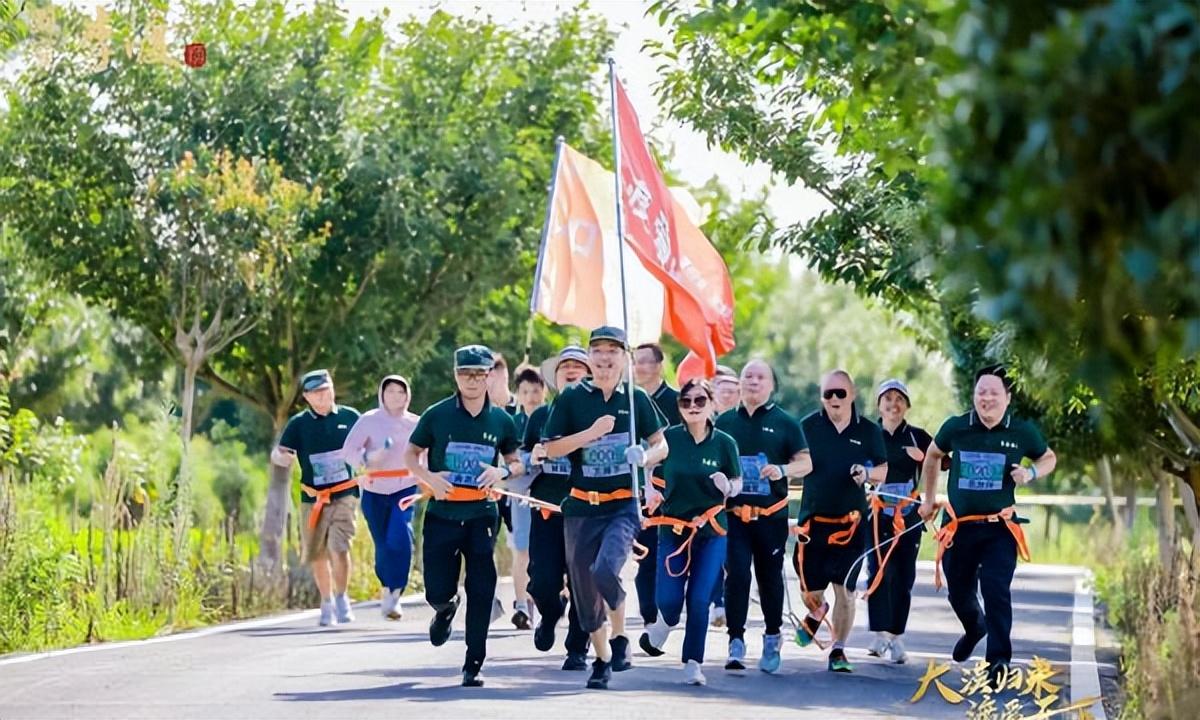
<point x="345" y="613"/>
<point x="737" y="655"/>
<point x="326" y="613"/>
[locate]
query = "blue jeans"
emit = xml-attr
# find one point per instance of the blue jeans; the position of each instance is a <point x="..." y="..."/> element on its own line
<point x="695" y="586"/>
<point x="391" y="529"/>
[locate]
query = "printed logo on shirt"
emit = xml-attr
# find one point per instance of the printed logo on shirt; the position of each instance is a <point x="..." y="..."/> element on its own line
<point x="622" y="412"/>
<point x="1008" y="444"/>
<point x="768" y="429"/>
<point x="341" y="427"/>
<point x="490" y="438"/>
<point x="856" y="442"/>
<point x="709" y="462"/>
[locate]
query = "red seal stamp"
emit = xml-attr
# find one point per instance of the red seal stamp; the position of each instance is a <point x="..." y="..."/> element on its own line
<point x="195" y="55"/>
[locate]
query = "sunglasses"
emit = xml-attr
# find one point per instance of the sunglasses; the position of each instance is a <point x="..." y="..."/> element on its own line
<point x="839" y="393"/>
<point x="699" y="401"/>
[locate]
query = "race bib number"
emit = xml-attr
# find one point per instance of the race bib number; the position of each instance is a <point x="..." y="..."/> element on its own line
<point x="556" y="466"/>
<point x="328" y="468"/>
<point x="752" y="481"/>
<point x="980" y="471"/>
<point x="462" y="460"/>
<point x="606" y="457"/>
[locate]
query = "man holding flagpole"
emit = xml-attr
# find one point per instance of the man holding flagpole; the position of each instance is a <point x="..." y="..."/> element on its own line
<point x="591" y="423"/>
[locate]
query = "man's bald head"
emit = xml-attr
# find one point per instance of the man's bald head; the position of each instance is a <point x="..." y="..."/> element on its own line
<point x="758" y="382"/>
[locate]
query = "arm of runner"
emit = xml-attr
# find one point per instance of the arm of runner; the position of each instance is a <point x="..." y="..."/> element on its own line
<point x="654" y="498"/>
<point x="930" y="470"/>
<point x="800" y="465"/>
<point x="1042" y="467"/>
<point x="564" y="446"/>
<point x="436" y="482"/>
<point x="657" y="450"/>
<point x="878" y="474"/>
<point x="282" y="456"/>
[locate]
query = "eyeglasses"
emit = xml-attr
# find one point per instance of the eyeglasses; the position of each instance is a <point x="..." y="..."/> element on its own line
<point x="472" y="375"/>
<point x="699" y="401"/>
<point x="839" y="393"/>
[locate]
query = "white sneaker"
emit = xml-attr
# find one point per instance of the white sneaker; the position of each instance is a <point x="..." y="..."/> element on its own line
<point x="692" y="674"/>
<point x="345" y="613"/>
<point x="326" y="613"/>
<point x="879" y="645"/>
<point x="389" y="604"/>
<point x="716" y="617"/>
<point x="899" y="656"/>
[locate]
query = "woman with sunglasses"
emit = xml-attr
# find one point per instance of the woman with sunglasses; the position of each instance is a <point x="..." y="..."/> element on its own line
<point x="701" y="473"/>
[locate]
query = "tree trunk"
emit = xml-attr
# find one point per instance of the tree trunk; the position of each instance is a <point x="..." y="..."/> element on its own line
<point x="1166" y="520"/>
<point x="1131" y="507"/>
<point x="1190" y="512"/>
<point x="274" y="525"/>
<point x="1105" y="476"/>
<point x="192" y="350"/>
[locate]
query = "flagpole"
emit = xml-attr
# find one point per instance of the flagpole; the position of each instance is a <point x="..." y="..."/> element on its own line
<point x="616" y="125"/>
<point x="536" y="294"/>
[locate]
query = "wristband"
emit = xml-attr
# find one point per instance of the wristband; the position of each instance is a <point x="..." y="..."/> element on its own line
<point x="1032" y="473"/>
<point x="507" y="472"/>
<point x="782" y="471"/>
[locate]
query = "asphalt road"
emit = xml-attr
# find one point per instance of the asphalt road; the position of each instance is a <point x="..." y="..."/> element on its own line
<point x="287" y="667"/>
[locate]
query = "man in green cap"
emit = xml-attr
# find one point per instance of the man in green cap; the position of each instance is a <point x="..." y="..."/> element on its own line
<point x="330" y="499"/>
<point x="590" y="424"/>
<point x="462" y="437"/>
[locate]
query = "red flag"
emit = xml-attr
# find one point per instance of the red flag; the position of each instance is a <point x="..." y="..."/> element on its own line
<point x="653" y="229"/>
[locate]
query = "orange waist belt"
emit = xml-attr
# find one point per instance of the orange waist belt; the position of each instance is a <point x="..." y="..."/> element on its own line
<point x="591" y="497"/>
<point x="323" y="497"/>
<point x="678" y="526"/>
<point x="750" y="513"/>
<point x="877" y="507"/>
<point x="386" y="474"/>
<point x="945" y="535"/>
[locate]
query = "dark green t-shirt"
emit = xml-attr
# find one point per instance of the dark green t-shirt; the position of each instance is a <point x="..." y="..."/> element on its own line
<point x="553" y="481"/>
<point x="903" y="470"/>
<point x="600" y="465"/>
<point x="687" y="470"/>
<point x="666" y="399"/>
<point x="981" y="460"/>
<point x="317" y="441"/>
<point x="769" y="436"/>
<point x="457" y="442"/>
<point x="829" y="490"/>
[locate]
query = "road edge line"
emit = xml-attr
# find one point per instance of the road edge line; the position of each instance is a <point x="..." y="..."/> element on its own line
<point x="1085" y="673"/>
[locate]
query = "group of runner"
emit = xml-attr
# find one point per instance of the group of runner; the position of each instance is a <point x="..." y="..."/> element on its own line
<point x="720" y="455"/>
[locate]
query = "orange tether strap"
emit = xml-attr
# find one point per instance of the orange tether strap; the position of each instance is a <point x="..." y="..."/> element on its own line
<point x="323" y="497"/>
<point x="708" y="517"/>
<point x="591" y="497"/>
<point x="841" y="537"/>
<point x="750" y="513"/>
<point x="945" y="535"/>
<point x="877" y="506"/>
<point x="456" y="494"/>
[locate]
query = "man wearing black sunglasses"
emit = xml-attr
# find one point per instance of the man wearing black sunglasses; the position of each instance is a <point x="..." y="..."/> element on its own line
<point x="847" y="450"/>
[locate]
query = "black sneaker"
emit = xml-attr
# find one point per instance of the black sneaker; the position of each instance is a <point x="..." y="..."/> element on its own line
<point x="997" y="674"/>
<point x="471" y="679"/>
<point x="520" y="619"/>
<point x="620" y="654"/>
<point x="838" y="662"/>
<point x="601" y="674"/>
<point x="543" y="635"/>
<point x="575" y="662"/>
<point x="439" y="626"/>
<point x="964" y="647"/>
<point x="644" y="642"/>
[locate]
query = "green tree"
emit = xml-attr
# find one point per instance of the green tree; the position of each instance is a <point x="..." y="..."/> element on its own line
<point x="431" y="147"/>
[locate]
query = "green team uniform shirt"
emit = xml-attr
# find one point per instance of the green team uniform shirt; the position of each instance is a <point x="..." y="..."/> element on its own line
<point x="666" y="399"/>
<point x="317" y="441"/>
<point x="687" y="469"/>
<point x="981" y="460"/>
<point x="771" y="436"/>
<point x="600" y="465"/>
<point x="903" y="471"/>
<point x="457" y="442"/>
<point x="553" y="482"/>
<point x="828" y="490"/>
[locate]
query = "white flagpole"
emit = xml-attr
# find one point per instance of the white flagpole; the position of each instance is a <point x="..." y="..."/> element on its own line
<point x="612" y="90"/>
